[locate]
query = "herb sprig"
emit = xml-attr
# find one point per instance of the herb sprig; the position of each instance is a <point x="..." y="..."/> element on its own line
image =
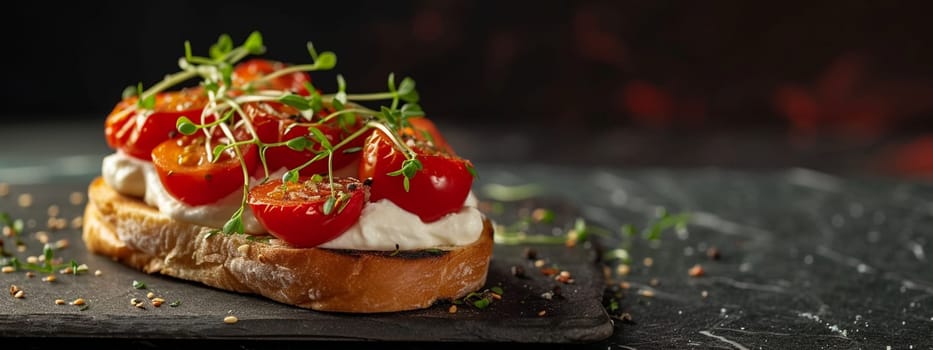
<point x="346" y="108"/>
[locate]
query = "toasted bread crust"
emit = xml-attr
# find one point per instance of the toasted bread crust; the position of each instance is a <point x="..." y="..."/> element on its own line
<point x="127" y="230"/>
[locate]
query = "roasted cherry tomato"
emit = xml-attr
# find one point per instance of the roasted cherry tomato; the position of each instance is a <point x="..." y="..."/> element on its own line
<point x="295" y="213"/>
<point x="276" y="124"/>
<point x="137" y="132"/>
<point x="438" y="189"/>
<point x="251" y="70"/>
<point x="186" y="173"/>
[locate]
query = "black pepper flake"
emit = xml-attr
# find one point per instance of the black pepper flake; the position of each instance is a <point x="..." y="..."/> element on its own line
<point x="368" y="182"/>
<point x="530" y="254"/>
<point x="713" y="253"/>
<point x="518" y="271"/>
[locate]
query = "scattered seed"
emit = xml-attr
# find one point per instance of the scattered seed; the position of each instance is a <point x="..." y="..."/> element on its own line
<point x="495" y="296"/>
<point x="30" y="274"/>
<point x="98" y="273"/>
<point x="625" y="285"/>
<point x="518" y="271"/>
<point x="539" y="263"/>
<point x="230" y="319"/>
<point x="76" y="198"/>
<point x="159" y="300"/>
<point x="654" y="282"/>
<point x="4" y="189"/>
<point x="150" y="295"/>
<point x="8" y="269"/>
<point x="547" y="295"/>
<point x="78" y="302"/>
<point x="713" y="253"/>
<point x="542" y="313"/>
<point x="19" y="294"/>
<point x="243" y="249"/>
<point x="61" y="244"/>
<point x="140" y="305"/>
<point x="49" y="278"/>
<point x="696" y="271"/>
<point x="59" y="302"/>
<point x="53" y="210"/>
<point x="530" y="254"/>
<point x="156" y="303"/>
<point x="24" y="200"/>
<point x="82" y="268"/>
<point x="646" y="293"/>
<point x="134" y="301"/>
<point x="648" y="262"/>
<point x="42" y="237"/>
<point x="66" y="271"/>
<point x="452" y="309"/>
<point x="564" y="277"/>
<point x="626" y="317"/>
<point x="21" y="248"/>
<point x="57" y="223"/>
<point x="704" y="294"/>
<point x="32" y="259"/>
<point x="77" y="222"/>
<point x="13" y="289"/>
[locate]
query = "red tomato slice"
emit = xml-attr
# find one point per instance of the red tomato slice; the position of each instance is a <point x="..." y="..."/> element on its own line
<point x="423" y="129"/>
<point x="187" y="175"/>
<point x="438" y="189"/>
<point x="251" y="70"/>
<point x="137" y="133"/>
<point x="273" y="124"/>
<point x="296" y="214"/>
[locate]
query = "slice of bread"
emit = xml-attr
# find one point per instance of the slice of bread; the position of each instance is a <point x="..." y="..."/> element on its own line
<point x="127" y="230"/>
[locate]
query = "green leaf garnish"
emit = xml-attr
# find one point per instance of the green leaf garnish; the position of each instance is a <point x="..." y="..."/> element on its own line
<point x="139" y="284"/>
<point x="223" y="46"/>
<point x="296" y="101"/>
<point x="329" y="205"/>
<point x="235" y="224"/>
<point x="327" y="60"/>
<point x="290" y="176"/>
<point x="253" y="44"/>
<point x="185" y="126"/>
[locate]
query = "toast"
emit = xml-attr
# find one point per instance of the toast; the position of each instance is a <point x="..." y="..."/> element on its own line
<point x="340" y="280"/>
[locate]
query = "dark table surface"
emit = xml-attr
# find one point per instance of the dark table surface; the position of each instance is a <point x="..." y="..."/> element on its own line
<point x="808" y="257"/>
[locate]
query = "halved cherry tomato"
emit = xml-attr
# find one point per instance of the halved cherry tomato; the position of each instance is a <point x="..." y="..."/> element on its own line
<point x="296" y="215"/>
<point x="137" y="132"/>
<point x="424" y="129"/>
<point x="438" y="189"/>
<point x="251" y="70"/>
<point x="187" y="175"/>
<point x="275" y="124"/>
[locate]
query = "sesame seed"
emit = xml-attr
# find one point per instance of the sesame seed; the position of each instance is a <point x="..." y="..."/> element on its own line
<point x="542" y="313"/>
<point x="150" y="295"/>
<point x="704" y="294"/>
<point x="66" y="270"/>
<point x="42" y="237"/>
<point x="62" y="244"/>
<point x="654" y="282"/>
<point x="623" y="269"/>
<point x="134" y="301"/>
<point x="648" y="261"/>
<point x="4" y="189"/>
<point x="140" y="305"/>
<point x="24" y="200"/>
<point x="158" y="300"/>
<point x="539" y="263"/>
<point x="32" y="259"/>
<point x="696" y="271"/>
<point x="13" y="289"/>
<point x="230" y="319"/>
<point x="625" y="285"/>
<point x="49" y="278"/>
<point x="79" y="302"/>
<point x="21" y="248"/>
<point x="30" y="274"/>
<point x="646" y="293"/>
<point x="77" y="222"/>
<point x="76" y="198"/>
<point x="8" y="269"/>
<point x="53" y="210"/>
<point x="19" y="294"/>
<point x="98" y="273"/>
<point x="156" y="303"/>
<point x="452" y="309"/>
<point x="59" y="302"/>
<point x="82" y="268"/>
<point x="243" y="248"/>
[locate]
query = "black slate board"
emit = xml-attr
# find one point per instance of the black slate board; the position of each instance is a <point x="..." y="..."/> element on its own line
<point x="575" y="316"/>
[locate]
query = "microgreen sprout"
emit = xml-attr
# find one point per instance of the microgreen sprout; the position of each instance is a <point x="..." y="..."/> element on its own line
<point x="343" y="107"/>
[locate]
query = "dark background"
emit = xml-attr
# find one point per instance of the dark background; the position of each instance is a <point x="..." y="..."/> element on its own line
<point x="802" y="75"/>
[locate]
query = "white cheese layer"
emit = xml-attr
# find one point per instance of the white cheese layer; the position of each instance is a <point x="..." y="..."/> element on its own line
<point x="382" y="225"/>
